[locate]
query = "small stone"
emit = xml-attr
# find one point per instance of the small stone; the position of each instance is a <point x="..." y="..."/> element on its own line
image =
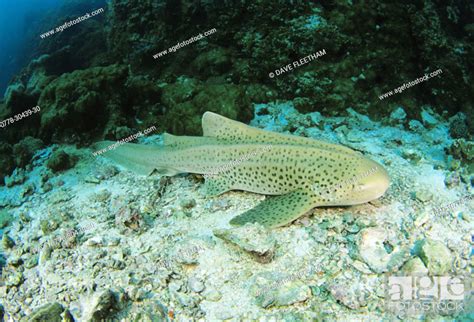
<point x="186" y="300"/>
<point x="14" y="279"/>
<point x="319" y="235"/>
<point x="17" y="177"/>
<point x="218" y="205"/>
<point x="354" y="137"/>
<point x="436" y="256"/>
<point x="412" y="155"/>
<point x="466" y="216"/>
<point x="416" y="126"/>
<point x="428" y="120"/>
<point x="47" y="187"/>
<point x="195" y="285"/>
<point x="91" y="179"/>
<point x="96" y="241"/>
<point x="347" y="294"/>
<point x="15" y="260"/>
<point x="49" y="225"/>
<point x="113" y="241"/>
<point x="188" y="253"/>
<point x="138" y="294"/>
<point x="421" y="219"/>
<point x="423" y="195"/>
<point x="32" y="261"/>
<point x="361" y="267"/>
<point x="212" y="295"/>
<point x="7" y="242"/>
<point x="105" y="173"/>
<point x="398" y="115"/>
<point x="99" y="306"/>
<point x="414" y="266"/>
<point x="25" y="218"/>
<point x="45" y="255"/>
<point x="280" y="290"/>
<point x="224" y="315"/>
<point x="102" y="196"/>
<point x="188" y="203"/>
<point x="252" y="238"/>
<point x="452" y="180"/>
<point x="27" y="190"/>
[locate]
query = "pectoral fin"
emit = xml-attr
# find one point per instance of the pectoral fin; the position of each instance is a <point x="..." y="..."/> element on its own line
<point x="278" y="210"/>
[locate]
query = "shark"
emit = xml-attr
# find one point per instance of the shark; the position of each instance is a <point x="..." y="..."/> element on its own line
<point x="296" y="173"/>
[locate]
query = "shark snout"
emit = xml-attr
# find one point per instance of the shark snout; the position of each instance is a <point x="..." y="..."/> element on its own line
<point x="377" y="183"/>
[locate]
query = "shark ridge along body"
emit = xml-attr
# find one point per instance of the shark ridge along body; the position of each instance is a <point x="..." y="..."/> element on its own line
<point x="297" y="173"/>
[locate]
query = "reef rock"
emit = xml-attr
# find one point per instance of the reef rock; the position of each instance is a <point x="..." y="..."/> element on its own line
<point x="436" y="256"/>
<point x="375" y="250"/>
<point x="252" y="238"/>
<point x="99" y="306"/>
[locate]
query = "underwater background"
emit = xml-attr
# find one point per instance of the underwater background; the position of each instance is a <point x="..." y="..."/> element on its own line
<point x="86" y="240"/>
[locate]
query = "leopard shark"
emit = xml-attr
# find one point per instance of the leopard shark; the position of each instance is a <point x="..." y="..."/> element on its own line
<point x="296" y="173"/>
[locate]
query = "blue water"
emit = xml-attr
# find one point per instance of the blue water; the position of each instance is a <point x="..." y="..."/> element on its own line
<point x="19" y="22"/>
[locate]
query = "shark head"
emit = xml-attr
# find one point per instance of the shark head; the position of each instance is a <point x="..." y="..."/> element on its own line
<point x="367" y="182"/>
<point x="371" y="183"/>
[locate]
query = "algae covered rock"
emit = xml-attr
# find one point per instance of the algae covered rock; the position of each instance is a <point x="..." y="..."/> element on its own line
<point x="182" y="90"/>
<point x="25" y="149"/>
<point x="49" y="312"/>
<point x="462" y="150"/>
<point x="7" y="162"/>
<point x="213" y="62"/>
<point x="458" y="127"/>
<point x="60" y="161"/>
<point x="6" y="218"/>
<point x="81" y="100"/>
<point x="436" y="256"/>
<point x="17" y="177"/>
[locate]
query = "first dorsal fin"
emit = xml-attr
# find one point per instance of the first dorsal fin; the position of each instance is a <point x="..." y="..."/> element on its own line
<point x="218" y="126"/>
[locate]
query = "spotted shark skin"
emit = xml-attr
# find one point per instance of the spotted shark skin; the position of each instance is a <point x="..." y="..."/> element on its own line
<point x="297" y="173"/>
